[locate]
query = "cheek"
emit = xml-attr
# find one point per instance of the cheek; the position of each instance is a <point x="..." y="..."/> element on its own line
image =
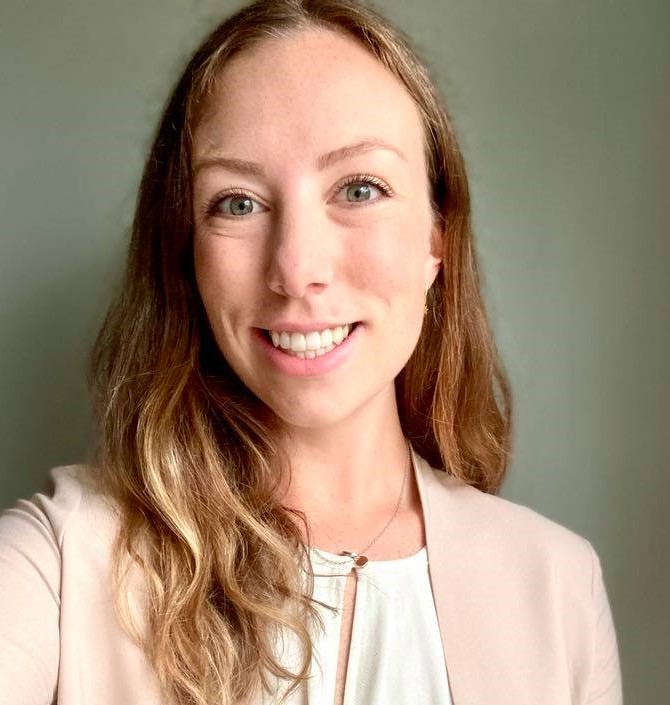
<point x="216" y="285"/>
<point x="221" y="271"/>
<point x="387" y="260"/>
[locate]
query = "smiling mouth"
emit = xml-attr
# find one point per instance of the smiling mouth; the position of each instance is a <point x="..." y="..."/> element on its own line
<point x="312" y="344"/>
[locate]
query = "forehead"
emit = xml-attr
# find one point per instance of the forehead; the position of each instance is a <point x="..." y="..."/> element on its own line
<point x="296" y="96"/>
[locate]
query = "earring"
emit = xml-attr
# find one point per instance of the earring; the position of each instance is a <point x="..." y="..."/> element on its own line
<point x="425" y="305"/>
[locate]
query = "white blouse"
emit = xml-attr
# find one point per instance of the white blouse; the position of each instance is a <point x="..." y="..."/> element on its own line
<point x="396" y="655"/>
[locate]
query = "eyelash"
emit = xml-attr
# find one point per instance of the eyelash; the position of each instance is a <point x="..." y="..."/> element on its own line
<point x="386" y="191"/>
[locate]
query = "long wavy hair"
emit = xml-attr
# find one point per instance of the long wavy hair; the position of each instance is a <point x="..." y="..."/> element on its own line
<point x="190" y="456"/>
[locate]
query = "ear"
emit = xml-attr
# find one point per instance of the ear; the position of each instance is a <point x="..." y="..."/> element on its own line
<point x="434" y="259"/>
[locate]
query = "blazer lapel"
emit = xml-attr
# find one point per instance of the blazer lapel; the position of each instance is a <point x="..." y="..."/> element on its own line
<point x="459" y="563"/>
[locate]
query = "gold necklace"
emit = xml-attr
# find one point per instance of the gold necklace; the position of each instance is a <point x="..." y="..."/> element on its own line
<point x="359" y="558"/>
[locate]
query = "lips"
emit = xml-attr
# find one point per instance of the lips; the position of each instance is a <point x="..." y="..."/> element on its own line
<point x="309" y="363"/>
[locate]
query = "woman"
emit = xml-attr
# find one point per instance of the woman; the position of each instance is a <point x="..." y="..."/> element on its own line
<point x="301" y="412"/>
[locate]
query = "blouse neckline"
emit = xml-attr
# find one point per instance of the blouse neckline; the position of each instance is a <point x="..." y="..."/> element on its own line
<point x="333" y="563"/>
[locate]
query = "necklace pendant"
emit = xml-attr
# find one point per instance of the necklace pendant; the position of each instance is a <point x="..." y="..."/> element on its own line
<point x="360" y="561"/>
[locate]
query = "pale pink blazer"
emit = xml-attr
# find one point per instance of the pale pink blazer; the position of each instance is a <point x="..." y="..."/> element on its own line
<point x="521" y="603"/>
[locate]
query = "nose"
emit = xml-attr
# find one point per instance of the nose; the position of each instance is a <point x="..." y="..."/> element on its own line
<point x="300" y="258"/>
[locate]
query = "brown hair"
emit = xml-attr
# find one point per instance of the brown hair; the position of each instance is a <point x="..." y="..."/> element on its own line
<point x="187" y="452"/>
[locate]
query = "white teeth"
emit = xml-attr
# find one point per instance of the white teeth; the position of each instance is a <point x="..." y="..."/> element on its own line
<point x="326" y="338"/>
<point x="312" y="344"/>
<point x="311" y="354"/>
<point x="298" y="343"/>
<point x="313" y="341"/>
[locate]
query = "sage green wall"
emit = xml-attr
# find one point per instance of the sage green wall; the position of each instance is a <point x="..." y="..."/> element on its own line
<point x="563" y="111"/>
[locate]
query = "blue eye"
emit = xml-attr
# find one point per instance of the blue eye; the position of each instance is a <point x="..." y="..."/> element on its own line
<point x="358" y="192"/>
<point x="239" y="204"/>
<point x="361" y="186"/>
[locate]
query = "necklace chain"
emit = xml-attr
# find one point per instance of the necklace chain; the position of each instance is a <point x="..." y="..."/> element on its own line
<point x="359" y="558"/>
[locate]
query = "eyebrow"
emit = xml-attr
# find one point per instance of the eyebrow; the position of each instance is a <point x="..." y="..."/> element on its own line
<point x="323" y="162"/>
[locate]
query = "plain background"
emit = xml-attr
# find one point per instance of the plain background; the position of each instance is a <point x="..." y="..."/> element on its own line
<point x="563" y="109"/>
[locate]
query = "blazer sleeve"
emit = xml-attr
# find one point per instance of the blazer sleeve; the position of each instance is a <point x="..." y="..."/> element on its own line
<point x="605" y="686"/>
<point x="31" y="534"/>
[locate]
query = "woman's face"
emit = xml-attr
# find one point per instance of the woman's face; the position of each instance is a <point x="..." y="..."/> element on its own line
<point x="284" y="244"/>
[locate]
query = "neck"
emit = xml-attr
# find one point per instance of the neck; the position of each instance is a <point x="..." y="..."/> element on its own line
<point x="357" y="464"/>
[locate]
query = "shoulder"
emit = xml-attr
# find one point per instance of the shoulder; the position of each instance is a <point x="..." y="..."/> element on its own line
<point x="513" y="531"/>
<point x="68" y="506"/>
<point x="515" y="550"/>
